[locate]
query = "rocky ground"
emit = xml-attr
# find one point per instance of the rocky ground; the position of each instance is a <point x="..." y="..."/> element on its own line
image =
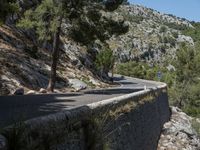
<point x="23" y="65"/>
<point x="178" y="133"/>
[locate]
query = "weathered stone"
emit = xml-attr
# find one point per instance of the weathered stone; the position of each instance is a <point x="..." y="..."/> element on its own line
<point x="77" y="84"/>
<point x="183" y="38"/>
<point x="43" y="90"/>
<point x="95" y="82"/>
<point x="31" y="92"/>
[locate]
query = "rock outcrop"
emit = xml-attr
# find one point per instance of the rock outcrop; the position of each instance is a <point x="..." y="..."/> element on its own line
<point x="152" y="37"/>
<point x="178" y="134"/>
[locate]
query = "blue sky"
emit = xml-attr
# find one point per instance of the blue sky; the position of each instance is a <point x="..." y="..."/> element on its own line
<point x="189" y="9"/>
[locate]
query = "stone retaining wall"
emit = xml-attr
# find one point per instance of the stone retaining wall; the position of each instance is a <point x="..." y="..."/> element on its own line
<point x="132" y="121"/>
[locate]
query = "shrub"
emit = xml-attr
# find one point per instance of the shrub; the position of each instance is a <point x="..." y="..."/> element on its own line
<point x="193" y="32"/>
<point x="163" y="29"/>
<point x="176" y="26"/>
<point x="175" y="34"/>
<point x="104" y="61"/>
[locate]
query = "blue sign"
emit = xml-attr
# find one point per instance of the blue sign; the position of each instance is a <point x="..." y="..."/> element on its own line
<point x="159" y="75"/>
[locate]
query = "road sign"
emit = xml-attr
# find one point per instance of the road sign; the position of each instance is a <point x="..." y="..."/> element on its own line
<point x="159" y="75"/>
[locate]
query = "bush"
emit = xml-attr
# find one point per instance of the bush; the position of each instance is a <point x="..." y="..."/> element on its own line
<point x="175" y="34"/>
<point x="176" y="26"/>
<point x="139" y="70"/>
<point x="132" y="69"/>
<point x="105" y="61"/>
<point x="163" y="29"/>
<point x="193" y="32"/>
<point x="132" y="18"/>
<point x="183" y="84"/>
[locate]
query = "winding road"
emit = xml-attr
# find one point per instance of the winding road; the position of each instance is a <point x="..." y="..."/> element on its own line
<point x="16" y="108"/>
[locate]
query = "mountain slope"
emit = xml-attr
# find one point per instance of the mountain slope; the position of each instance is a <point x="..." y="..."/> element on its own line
<point x="25" y="65"/>
<point x="152" y="36"/>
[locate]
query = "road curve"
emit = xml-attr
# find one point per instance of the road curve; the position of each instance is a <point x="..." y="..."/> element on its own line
<point x="16" y="108"/>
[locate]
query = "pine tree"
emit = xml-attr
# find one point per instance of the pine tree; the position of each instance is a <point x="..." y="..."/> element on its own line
<point x="6" y="7"/>
<point x="47" y="19"/>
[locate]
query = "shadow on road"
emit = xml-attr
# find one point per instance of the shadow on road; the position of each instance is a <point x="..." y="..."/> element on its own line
<point x="112" y="91"/>
<point x="20" y="108"/>
<point x="125" y="83"/>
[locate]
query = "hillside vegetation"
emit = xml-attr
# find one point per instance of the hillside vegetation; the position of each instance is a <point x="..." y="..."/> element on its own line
<point x="171" y="54"/>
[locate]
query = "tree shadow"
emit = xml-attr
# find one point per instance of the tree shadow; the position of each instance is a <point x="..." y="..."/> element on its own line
<point x="20" y="108"/>
<point x="112" y="91"/>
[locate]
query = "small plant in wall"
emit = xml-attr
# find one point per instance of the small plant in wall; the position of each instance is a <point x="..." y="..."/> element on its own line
<point x="94" y="130"/>
<point x="15" y="136"/>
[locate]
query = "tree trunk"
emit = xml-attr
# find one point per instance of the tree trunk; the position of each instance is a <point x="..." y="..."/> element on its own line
<point x="55" y="56"/>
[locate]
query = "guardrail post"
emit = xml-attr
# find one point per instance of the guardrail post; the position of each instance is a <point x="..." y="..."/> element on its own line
<point x="3" y="144"/>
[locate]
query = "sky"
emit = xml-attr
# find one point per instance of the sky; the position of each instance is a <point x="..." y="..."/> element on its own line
<point x="189" y="9"/>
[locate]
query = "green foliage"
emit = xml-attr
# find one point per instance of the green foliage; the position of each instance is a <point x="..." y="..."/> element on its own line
<point x="96" y="134"/>
<point x="43" y="19"/>
<point x="131" y="18"/>
<point x="175" y="34"/>
<point x="132" y="69"/>
<point x="168" y="39"/>
<point x="94" y="25"/>
<point x="140" y="70"/>
<point x="193" y="32"/>
<point x="187" y="63"/>
<point x="163" y="29"/>
<point x="85" y="17"/>
<point x="7" y="7"/>
<point x="187" y="79"/>
<point x="172" y="41"/>
<point x="196" y="126"/>
<point x="183" y="84"/>
<point x="105" y="60"/>
<point x="176" y="26"/>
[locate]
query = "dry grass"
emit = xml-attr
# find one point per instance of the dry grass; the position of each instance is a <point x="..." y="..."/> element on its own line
<point x="122" y="109"/>
<point x="148" y="98"/>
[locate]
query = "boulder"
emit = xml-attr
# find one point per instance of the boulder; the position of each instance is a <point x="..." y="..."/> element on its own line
<point x="95" y="82"/>
<point x="183" y="38"/>
<point x="19" y="91"/>
<point x="31" y="92"/>
<point x="77" y="84"/>
<point x="43" y="90"/>
<point x="171" y="68"/>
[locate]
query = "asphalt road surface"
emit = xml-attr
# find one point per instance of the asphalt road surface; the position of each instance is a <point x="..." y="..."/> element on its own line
<point x="16" y="108"/>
